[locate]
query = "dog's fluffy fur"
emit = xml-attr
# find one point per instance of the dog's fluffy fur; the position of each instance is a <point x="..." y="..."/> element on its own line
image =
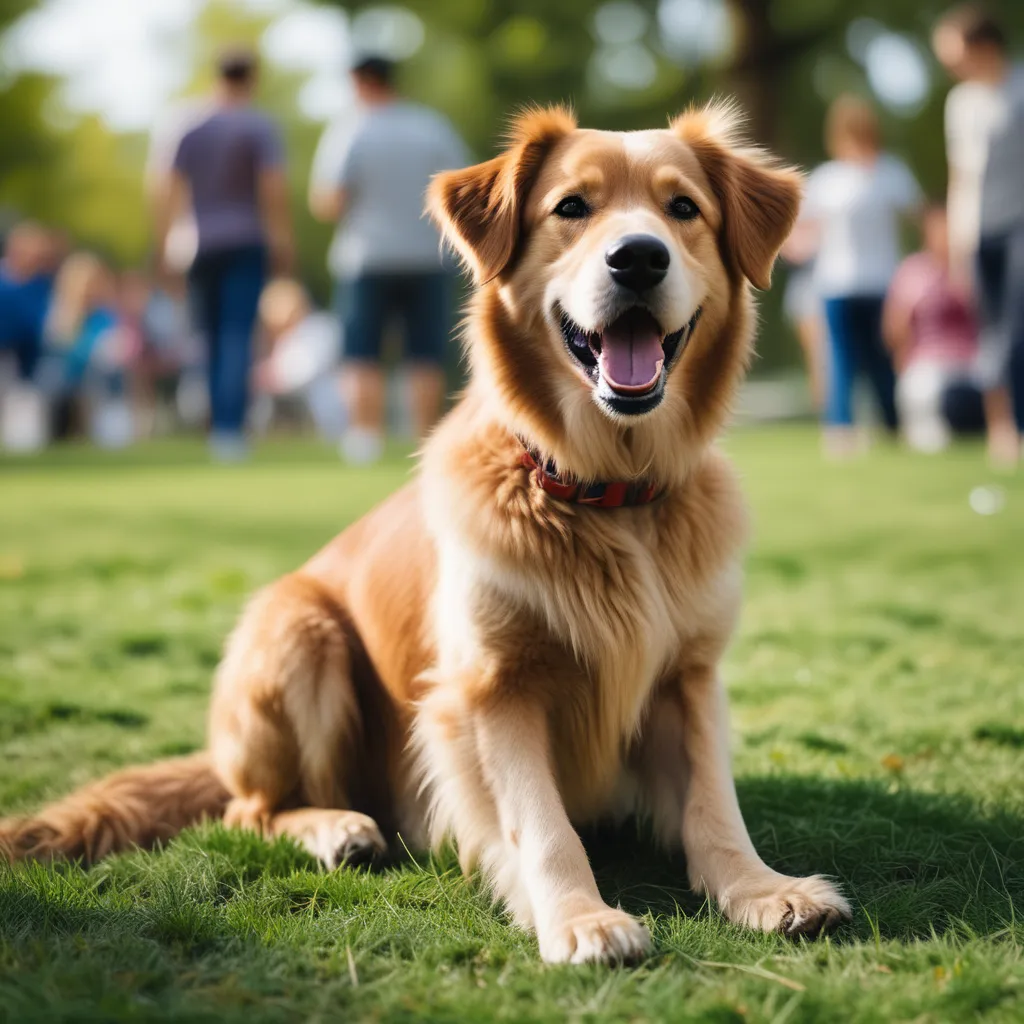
<point x="476" y="659"/>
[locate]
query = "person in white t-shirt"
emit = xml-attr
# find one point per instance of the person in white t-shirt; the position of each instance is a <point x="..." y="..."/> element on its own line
<point x="851" y="215"/>
<point x="985" y="152"/>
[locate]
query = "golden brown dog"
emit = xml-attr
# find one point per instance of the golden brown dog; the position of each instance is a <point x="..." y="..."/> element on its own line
<point x="499" y="651"/>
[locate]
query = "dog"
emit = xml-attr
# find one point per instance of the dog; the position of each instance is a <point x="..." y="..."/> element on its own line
<point x="527" y="636"/>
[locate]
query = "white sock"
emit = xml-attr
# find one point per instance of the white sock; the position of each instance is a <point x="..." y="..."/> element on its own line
<point x="360" y="446"/>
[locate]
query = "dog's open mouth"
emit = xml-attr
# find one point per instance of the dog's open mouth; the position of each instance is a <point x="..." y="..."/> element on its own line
<point x="628" y="359"/>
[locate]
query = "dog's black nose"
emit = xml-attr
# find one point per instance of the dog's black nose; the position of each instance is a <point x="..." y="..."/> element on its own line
<point x="638" y="262"/>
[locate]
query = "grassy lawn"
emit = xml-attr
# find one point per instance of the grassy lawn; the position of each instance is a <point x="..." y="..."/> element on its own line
<point x="878" y="709"/>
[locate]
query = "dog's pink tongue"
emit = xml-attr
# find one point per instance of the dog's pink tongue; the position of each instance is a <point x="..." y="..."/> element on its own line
<point x="631" y="355"/>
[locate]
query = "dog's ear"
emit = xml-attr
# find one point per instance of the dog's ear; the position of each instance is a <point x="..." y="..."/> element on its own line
<point x="479" y="208"/>
<point x="760" y="197"/>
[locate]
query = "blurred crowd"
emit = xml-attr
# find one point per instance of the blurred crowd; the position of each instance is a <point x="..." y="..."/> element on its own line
<point x="116" y="356"/>
<point x="938" y="336"/>
<point x="220" y="333"/>
<point x="90" y="350"/>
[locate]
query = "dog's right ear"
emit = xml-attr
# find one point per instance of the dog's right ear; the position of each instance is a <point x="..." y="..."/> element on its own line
<point x="479" y="208"/>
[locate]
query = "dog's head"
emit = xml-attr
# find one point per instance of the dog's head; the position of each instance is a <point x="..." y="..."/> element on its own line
<point x="618" y="258"/>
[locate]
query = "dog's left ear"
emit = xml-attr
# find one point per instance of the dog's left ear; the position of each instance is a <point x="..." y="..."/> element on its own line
<point x="479" y="208"/>
<point x="760" y="198"/>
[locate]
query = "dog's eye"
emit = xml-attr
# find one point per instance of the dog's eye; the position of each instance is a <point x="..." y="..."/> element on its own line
<point x="683" y="208"/>
<point x="572" y="208"/>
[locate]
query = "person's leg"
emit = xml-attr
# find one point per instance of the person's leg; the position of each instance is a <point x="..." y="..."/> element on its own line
<point x="838" y="418"/>
<point x="363" y="390"/>
<point x="364" y="302"/>
<point x="1014" y="300"/>
<point x="241" y="283"/>
<point x="27" y="350"/>
<point x="991" y="264"/>
<point x="809" y="333"/>
<point x="204" y="307"/>
<point x="866" y="323"/>
<point x="1016" y="379"/>
<point x="427" y="308"/>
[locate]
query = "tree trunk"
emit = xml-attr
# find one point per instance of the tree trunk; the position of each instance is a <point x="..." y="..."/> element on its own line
<point x="754" y="77"/>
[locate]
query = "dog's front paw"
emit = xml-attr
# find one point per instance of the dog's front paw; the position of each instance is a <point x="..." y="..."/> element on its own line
<point x="794" y="906"/>
<point x="599" y="936"/>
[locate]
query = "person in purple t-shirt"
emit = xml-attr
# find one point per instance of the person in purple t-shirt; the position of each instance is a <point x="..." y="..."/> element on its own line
<point x="229" y="166"/>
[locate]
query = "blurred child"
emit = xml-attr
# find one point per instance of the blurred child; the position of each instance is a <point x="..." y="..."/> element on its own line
<point x="26" y="283"/>
<point x="30" y="259"/>
<point x="304" y="349"/>
<point x="852" y="209"/>
<point x="163" y="352"/>
<point x="930" y="328"/>
<point x="87" y="351"/>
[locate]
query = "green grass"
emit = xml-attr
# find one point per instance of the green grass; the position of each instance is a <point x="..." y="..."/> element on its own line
<point x="878" y="713"/>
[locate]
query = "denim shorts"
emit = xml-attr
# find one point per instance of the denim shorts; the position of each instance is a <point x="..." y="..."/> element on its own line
<point x="420" y="301"/>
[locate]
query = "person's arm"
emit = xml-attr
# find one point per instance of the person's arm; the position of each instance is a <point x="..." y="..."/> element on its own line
<point x="169" y="199"/>
<point x="328" y="198"/>
<point x="277" y="219"/>
<point x="273" y="198"/>
<point x="805" y="238"/>
<point x="803" y="241"/>
<point x="964" y="156"/>
<point x="327" y="204"/>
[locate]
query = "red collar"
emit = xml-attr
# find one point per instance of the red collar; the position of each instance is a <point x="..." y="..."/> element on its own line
<point x="600" y="494"/>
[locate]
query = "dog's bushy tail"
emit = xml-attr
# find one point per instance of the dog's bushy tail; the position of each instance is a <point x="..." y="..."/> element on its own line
<point x="133" y="807"/>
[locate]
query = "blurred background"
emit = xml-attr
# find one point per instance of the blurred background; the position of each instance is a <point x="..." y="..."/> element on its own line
<point x="85" y="84"/>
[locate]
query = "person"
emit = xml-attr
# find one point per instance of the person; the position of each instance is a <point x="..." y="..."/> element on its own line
<point x="30" y="260"/>
<point x="303" y="352"/>
<point x="985" y="151"/>
<point x="230" y="166"/>
<point x="385" y="254"/>
<point x="87" y="352"/>
<point x="852" y="209"/>
<point x="156" y="334"/>
<point x="27" y="272"/>
<point x="930" y="327"/>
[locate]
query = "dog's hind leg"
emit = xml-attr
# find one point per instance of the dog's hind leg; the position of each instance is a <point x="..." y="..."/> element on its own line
<point x="285" y="727"/>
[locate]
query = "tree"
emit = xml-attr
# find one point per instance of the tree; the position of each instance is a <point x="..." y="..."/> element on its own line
<point x="26" y="141"/>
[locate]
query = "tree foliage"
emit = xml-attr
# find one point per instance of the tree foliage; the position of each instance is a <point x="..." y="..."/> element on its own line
<point x="482" y="59"/>
<point x="26" y="141"/>
<point x="479" y="61"/>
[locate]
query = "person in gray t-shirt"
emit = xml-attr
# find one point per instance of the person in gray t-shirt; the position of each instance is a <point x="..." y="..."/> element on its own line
<point x="228" y="166"/>
<point x="369" y="177"/>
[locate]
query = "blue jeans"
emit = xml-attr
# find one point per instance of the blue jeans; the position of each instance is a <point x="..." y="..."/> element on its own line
<point x="225" y="291"/>
<point x="855" y="344"/>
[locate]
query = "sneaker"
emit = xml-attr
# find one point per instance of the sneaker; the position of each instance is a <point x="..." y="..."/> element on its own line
<point x="361" y="447"/>
<point x="842" y="443"/>
<point x="226" y="446"/>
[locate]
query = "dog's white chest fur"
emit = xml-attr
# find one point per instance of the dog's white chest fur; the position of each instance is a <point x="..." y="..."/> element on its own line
<point x="624" y="635"/>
